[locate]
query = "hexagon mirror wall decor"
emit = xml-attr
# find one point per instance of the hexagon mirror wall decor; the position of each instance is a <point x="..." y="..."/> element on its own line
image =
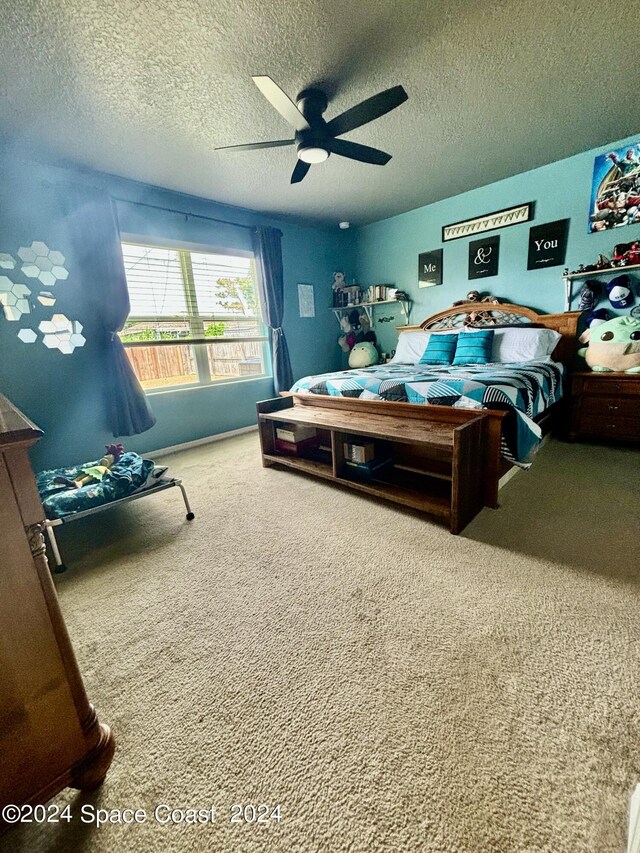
<point x="43" y="263"/>
<point x="62" y="333"/>
<point x="14" y="298"/>
<point x="27" y="336"/>
<point x="47" y="266"/>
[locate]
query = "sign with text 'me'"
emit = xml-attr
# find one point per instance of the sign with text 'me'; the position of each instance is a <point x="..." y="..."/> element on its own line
<point x="430" y="268"/>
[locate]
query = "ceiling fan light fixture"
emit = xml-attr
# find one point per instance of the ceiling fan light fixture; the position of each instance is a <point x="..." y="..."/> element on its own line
<point x="312" y="154"/>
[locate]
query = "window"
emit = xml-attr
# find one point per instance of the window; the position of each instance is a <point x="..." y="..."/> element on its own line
<point x="195" y="317"/>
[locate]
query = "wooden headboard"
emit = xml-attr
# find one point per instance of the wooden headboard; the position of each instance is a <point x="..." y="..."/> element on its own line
<point x="492" y="314"/>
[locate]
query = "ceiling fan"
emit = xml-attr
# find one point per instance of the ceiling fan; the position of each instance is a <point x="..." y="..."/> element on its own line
<point x="316" y="138"/>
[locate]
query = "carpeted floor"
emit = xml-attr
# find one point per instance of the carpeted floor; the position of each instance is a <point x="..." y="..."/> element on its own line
<point x="393" y="687"/>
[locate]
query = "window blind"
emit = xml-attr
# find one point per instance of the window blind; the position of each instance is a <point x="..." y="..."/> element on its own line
<point x="154" y="277"/>
<point x="181" y="295"/>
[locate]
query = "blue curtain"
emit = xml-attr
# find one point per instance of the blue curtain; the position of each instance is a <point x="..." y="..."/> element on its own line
<point x="267" y="245"/>
<point x="95" y="239"/>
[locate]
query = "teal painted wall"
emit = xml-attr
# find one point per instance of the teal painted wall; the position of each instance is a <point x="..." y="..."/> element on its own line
<point x="387" y="251"/>
<point x="62" y="393"/>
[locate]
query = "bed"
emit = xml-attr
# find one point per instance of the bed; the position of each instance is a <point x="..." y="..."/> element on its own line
<point x="526" y="390"/>
<point x="467" y="426"/>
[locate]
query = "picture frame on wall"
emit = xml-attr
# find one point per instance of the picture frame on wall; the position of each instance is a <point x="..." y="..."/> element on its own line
<point x="306" y="300"/>
<point x="548" y="244"/>
<point x="484" y="256"/>
<point x="430" y="268"/>
<point x="489" y="222"/>
<point x="615" y="189"/>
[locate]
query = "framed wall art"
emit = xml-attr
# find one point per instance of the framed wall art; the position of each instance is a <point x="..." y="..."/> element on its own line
<point x="483" y="257"/>
<point x="306" y="302"/>
<point x="615" y="189"/>
<point x="548" y="244"/>
<point x="488" y="222"/>
<point x="430" y="268"/>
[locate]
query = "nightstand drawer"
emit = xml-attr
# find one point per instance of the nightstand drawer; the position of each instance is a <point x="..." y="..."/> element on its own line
<point x="610" y="387"/>
<point x="624" y="407"/>
<point x="610" y="426"/>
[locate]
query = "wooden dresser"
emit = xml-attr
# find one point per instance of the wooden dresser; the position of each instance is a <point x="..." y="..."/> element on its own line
<point x="605" y="406"/>
<point x="50" y="737"/>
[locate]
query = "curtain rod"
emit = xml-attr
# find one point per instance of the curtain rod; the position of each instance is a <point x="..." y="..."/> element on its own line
<point x="183" y="213"/>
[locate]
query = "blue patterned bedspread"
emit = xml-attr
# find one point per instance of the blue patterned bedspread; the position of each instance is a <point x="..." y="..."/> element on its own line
<point x="523" y="389"/>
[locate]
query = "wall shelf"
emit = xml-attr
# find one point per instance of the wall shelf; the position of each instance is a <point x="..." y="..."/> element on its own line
<point x="368" y="307"/>
<point x="569" y="277"/>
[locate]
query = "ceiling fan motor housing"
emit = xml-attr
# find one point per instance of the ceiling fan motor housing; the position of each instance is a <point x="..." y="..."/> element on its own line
<point x="312" y="142"/>
<point x="312" y="103"/>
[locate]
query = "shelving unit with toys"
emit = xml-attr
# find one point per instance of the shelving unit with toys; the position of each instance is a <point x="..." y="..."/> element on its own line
<point x="368" y="308"/>
<point x="624" y="260"/>
<point x="569" y="277"/>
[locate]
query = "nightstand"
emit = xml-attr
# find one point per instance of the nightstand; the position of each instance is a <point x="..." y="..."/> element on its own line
<point x="605" y="406"/>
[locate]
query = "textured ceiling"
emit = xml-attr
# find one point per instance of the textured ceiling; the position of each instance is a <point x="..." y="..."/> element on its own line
<point x="147" y="89"/>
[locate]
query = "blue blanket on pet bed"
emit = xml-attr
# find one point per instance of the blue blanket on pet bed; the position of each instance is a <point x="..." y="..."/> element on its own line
<point x="125" y="477"/>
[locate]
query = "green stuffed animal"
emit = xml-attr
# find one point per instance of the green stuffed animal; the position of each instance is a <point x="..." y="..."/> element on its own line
<point x="363" y="355"/>
<point x="614" y="346"/>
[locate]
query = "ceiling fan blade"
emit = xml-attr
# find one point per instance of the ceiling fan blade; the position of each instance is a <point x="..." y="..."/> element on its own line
<point x="254" y="146"/>
<point x="355" y="151"/>
<point x="367" y="111"/>
<point x="300" y="171"/>
<point x="281" y="101"/>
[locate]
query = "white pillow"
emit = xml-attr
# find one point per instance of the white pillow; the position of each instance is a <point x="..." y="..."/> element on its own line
<point x="522" y="344"/>
<point x="411" y="345"/>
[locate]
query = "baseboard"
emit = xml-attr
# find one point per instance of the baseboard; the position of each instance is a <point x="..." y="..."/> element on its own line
<point x="198" y="442"/>
<point x="511" y="473"/>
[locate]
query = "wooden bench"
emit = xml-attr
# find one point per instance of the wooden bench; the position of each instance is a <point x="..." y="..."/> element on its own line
<point x="444" y="462"/>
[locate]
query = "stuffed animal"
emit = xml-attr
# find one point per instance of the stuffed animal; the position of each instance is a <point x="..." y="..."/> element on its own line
<point x="347" y="338"/>
<point x="614" y="346"/>
<point x="356" y="329"/>
<point x="482" y="318"/>
<point x="94" y="472"/>
<point x="338" y="281"/>
<point x="363" y="355"/>
<point x="472" y="296"/>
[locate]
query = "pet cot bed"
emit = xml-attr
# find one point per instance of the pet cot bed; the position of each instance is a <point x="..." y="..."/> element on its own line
<point x="509" y="402"/>
<point x="129" y="479"/>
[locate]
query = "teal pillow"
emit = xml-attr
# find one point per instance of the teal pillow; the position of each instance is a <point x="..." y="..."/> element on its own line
<point x="440" y="349"/>
<point x="474" y="347"/>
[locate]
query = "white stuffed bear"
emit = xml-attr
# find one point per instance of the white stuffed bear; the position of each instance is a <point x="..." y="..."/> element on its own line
<point x="338" y="281"/>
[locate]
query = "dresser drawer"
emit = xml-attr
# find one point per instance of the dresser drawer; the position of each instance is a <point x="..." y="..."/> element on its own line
<point x="609" y="427"/>
<point x="625" y="407"/>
